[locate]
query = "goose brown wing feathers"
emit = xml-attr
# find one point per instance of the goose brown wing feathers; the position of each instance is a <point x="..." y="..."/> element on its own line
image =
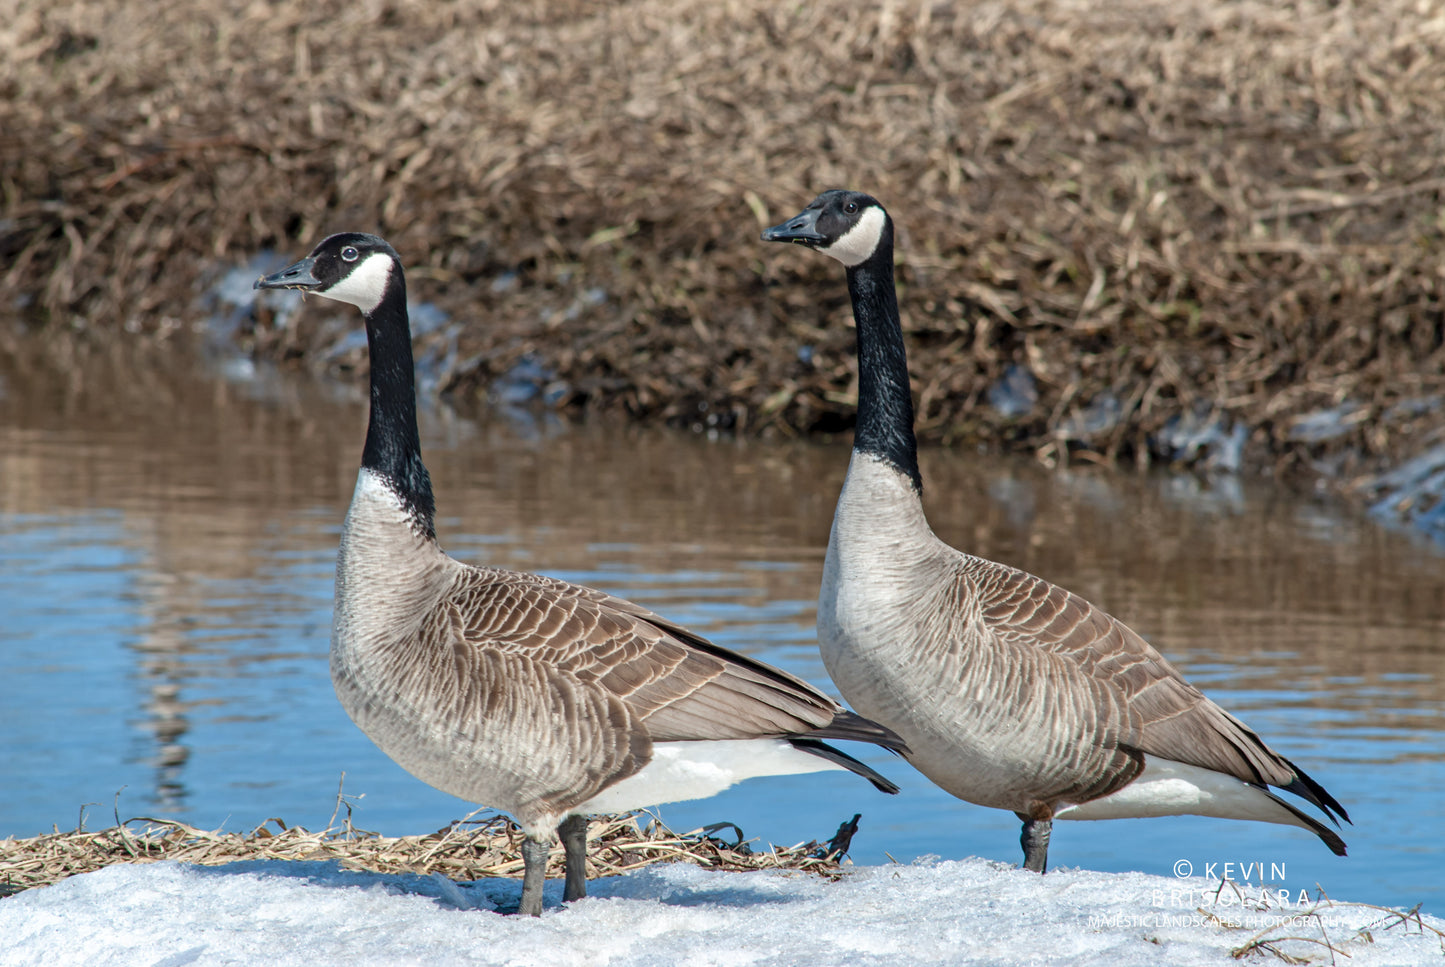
<point x="681" y="686"/>
<point x="1159" y="712"/>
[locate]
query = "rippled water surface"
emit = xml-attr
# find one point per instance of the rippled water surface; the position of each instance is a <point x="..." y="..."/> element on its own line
<point x="166" y="548"/>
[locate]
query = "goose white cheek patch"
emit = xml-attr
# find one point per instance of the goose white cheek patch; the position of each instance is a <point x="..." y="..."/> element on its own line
<point x="859" y="242"/>
<point x="364" y="286"/>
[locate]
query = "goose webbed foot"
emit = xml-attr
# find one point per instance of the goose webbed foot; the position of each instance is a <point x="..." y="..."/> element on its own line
<point x="573" y="833"/>
<point x="1035" y="841"/>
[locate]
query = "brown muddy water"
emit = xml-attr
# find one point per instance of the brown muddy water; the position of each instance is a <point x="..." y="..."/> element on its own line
<point x="167" y="533"/>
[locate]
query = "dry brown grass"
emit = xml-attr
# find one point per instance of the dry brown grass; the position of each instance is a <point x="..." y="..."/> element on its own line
<point x="1223" y="205"/>
<point x="1301" y="934"/>
<point x="465" y="851"/>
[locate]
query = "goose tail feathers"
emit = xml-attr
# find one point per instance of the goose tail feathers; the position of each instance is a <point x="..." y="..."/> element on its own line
<point x="836" y="756"/>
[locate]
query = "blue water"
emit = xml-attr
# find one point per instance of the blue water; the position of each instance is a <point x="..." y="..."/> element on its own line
<point x="167" y="598"/>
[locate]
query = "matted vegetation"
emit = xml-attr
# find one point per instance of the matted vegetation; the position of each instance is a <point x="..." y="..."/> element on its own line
<point x="465" y="851"/>
<point x="1220" y="211"/>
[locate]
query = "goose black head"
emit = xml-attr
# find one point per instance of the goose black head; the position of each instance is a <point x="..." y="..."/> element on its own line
<point x="351" y="267"/>
<point x="850" y="226"/>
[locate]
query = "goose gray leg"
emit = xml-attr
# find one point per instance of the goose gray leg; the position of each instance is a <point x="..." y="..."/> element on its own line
<point x="1035" y="841"/>
<point x="534" y="875"/>
<point x="573" y="833"/>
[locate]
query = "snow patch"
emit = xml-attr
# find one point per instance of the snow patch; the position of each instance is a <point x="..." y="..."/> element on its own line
<point x="300" y="914"/>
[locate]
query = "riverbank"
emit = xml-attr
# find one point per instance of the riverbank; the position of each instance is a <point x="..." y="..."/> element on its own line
<point x="1204" y="233"/>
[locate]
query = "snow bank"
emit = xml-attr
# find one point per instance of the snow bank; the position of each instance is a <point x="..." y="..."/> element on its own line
<point x="303" y="914"/>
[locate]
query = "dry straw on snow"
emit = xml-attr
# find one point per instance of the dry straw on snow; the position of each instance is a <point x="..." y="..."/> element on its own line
<point x="1219" y="207"/>
<point x="465" y="851"/>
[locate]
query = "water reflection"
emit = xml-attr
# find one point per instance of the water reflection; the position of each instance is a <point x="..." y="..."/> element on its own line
<point x="167" y="539"/>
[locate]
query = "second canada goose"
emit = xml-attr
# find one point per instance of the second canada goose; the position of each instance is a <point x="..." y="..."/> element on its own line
<point x="540" y="698"/>
<point x="1011" y="692"/>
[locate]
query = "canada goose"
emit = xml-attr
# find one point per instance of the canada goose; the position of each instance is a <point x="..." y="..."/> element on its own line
<point x="1011" y="692"/>
<point x="526" y="694"/>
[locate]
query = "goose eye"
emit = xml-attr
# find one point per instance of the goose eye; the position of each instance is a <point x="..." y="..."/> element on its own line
<point x="350" y="254"/>
<point x="851" y="208"/>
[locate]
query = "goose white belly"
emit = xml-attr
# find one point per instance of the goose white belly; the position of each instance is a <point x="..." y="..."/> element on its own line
<point x="696" y="770"/>
<point x="1167" y="788"/>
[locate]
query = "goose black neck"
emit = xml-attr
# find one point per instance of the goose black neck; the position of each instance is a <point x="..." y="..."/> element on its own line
<point x="885" y="404"/>
<point x="393" y="445"/>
